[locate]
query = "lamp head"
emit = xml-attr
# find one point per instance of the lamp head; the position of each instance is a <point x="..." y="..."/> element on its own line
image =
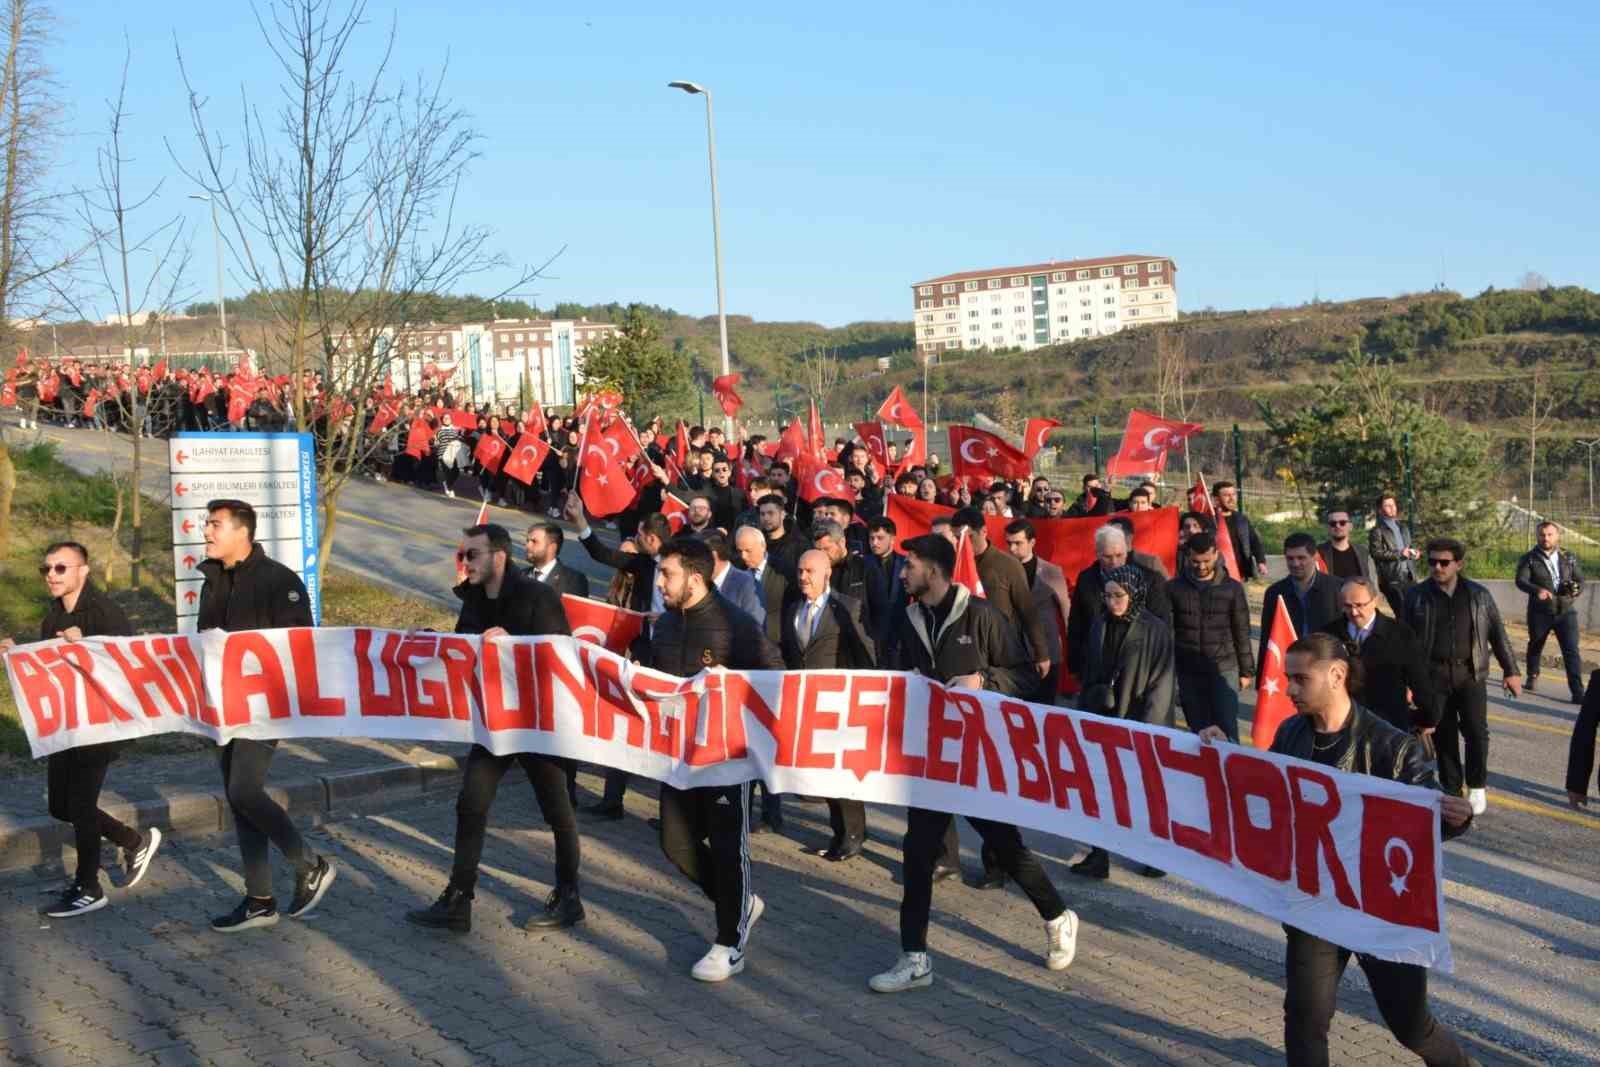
<point x="688" y="87"/>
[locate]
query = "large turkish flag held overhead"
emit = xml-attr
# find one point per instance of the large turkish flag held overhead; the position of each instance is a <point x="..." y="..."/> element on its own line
<point x="1145" y="443"/>
<point x="975" y="451"/>
<point x="898" y="410"/>
<point x="603" y="480"/>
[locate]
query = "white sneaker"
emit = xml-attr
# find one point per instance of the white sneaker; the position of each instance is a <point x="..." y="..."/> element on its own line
<point x="451" y="493"/>
<point x="758" y="908"/>
<point x="136" y="861"/>
<point x="912" y="971"/>
<point x="1479" y="799"/>
<point x="1061" y="940"/>
<point x="718" y="965"/>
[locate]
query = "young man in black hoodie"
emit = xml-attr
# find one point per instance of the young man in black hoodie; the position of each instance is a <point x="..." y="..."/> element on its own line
<point x="78" y="610"/>
<point x="245" y="589"/>
<point x="705" y="831"/>
<point x="962" y="641"/>
<point x="498" y="600"/>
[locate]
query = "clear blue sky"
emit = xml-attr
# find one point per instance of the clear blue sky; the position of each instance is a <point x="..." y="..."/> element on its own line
<point x="1272" y="151"/>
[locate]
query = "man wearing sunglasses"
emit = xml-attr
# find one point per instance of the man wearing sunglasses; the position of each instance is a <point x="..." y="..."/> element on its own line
<point x="1458" y="626"/>
<point x="78" y="610"/>
<point x="498" y="600"/>
<point x="1342" y="558"/>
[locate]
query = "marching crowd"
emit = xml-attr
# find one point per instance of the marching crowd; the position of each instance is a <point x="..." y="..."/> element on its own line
<point x="737" y="566"/>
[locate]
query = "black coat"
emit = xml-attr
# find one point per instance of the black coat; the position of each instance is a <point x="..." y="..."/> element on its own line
<point x="95" y="614"/>
<point x="774" y="591"/>
<point x="525" y="607"/>
<point x="1210" y="624"/>
<point x="1422" y="611"/>
<point x="855" y="578"/>
<point x="1533" y="574"/>
<point x="841" y="640"/>
<point x="1140" y="681"/>
<point x="1322" y="604"/>
<point x="1391" y="663"/>
<point x="1088" y="604"/>
<point x="258" y="593"/>
<point x="975" y="639"/>
<point x="713" y="633"/>
<point x="564" y="580"/>
<point x="1247" y="548"/>
<point x="640" y="569"/>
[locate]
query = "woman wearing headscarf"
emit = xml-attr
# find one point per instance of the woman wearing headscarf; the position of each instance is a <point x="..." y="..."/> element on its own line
<point x="1128" y="674"/>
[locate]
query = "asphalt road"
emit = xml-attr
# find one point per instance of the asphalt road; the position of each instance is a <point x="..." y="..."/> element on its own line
<point x="1521" y="887"/>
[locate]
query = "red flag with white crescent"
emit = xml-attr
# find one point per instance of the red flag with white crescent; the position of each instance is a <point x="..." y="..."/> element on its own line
<point x="603" y="624"/>
<point x="727" y="394"/>
<point x="491" y="452"/>
<point x="966" y="572"/>
<point x="676" y="511"/>
<point x="898" y="410"/>
<point x="1273" y="706"/>
<point x="535" y="423"/>
<point x="526" y="458"/>
<point x="603" y="481"/>
<point x="818" y="480"/>
<point x="977" y="452"/>
<point x="1034" y="436"/>
<point x="387" y="413"/>
<point x="1200" y="501"/>
<point x="1145" y="443"/>
<point x="238" y="404"/>
<point x="871" y="434"/>
<point x="791" y="443"/>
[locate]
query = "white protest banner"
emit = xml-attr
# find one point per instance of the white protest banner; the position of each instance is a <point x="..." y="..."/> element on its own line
<point x="1350" y="858"/>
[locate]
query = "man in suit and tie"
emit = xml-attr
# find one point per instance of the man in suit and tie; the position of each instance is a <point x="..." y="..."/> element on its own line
<point x="750" y="545"/>
<point x="738" y="587"/>
<point x="1309" y="596"/>
<point x="825" y="630"/>
<point x="1392" y="661"/>
<point x="1390" y="548"/>
<point x="543" y="546"/>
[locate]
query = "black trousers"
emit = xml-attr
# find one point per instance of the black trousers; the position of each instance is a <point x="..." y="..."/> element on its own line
<point x="75" y="779"/>
<point x="257" y="818"/>
<point x="705" y="832"/>
<point x="616" y="787"/>
<point x="849" y="821"/>
<point x="1565" y="626"/>
<point x="925" y="831"/>
<point x="1395" y="594"/>
<point x="1580" y="754"/>
<point x="1313" y="968"/>
<point x="481" y="781"/>
<point x="1464" y="720"/>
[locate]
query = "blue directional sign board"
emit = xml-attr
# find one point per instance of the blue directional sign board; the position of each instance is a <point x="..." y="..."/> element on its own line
<point x="275" y="473"/>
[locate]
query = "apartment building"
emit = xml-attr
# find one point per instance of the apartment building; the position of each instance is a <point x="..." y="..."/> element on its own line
<point x="489" y="360"/>
<point x="1042" y="303"/>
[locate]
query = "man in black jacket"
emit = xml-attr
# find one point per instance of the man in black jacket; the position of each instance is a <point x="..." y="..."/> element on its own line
<point x="75" y="777"/>
<point x="1310" y="596"/>
<point x="963" y="642"/>
<point x="852" y="575"/>
<point x="1342" y="556"/>
<point x="1392" y="663"/>
<point x="543" y="546"/>
<point x="1211" y="634"/>
<point x="498" y="600"/>
<point x="825" y="630"/>
<point x="784" y="542"/>
<point x="640" y="567"/>
<point x="1553" y="580"/>
<point x="1457" y="626"/>
<point x="245" y="589"/>
<point x="705" y="830"/>
<point x="1247" y="548"/>
<point x="1335" y="731"/>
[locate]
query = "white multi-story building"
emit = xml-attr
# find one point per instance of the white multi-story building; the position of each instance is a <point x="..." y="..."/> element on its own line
<point x="1042" y="303"/>
<point x="488" y="361"/>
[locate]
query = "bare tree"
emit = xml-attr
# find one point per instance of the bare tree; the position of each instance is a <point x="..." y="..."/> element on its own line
<point x="1172" y="383"/>
<point x="819" y="369"/>
<point x="1538" y="418"/>
<point x="138" y="270"/>
<point x="342" y="210"/>
<point x="1532" y="281"/>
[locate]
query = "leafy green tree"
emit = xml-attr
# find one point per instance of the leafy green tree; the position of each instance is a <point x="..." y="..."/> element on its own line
<point x="1349" y="443"/>
<point x="655" y="377"/>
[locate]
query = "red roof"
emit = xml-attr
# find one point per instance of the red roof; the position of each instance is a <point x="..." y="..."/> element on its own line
<point x="1036" y="268"/>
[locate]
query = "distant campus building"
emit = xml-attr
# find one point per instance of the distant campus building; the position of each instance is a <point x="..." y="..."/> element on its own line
<point x="1043" y="303"/>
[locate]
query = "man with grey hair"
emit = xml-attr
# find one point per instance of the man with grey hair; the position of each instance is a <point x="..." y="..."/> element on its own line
<point x="1111" y="550"/>
<point x="750" y="548"/>
<point x="851" y="575"/>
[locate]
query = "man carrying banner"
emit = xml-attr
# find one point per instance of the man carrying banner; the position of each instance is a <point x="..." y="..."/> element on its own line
<point x="1333" y="730"/>
<point x="245" y="589"/>
<point x="962" y="641"/>
<point x="78" y="610"/>
<point x="705" y="831"/>
<point x="498" y="600"/>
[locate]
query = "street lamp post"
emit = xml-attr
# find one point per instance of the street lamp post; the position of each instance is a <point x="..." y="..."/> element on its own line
<point x="222" y="304"/>
<point x="1589" y="447"/>
<point x="716" y="227"/>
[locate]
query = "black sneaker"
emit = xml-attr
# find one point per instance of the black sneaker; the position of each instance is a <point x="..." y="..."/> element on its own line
<point x="77" y="901"/>
<point x="309" y="888"/>
<point x="250" y="914"/>
<point x="135" y="861"/>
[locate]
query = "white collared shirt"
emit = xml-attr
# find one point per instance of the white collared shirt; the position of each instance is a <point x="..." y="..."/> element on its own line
<point x="1552" y="560"/>
<point x="815" y="608"/>
<point x="542" y="574"/>
<point x="1360" y="636"/>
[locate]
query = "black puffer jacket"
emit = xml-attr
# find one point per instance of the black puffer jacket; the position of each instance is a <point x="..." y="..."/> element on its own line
<point x="1376" y="748"/>
<point x="713" y="633"/>
<point x="524" y="608"/>
<point x="1210" y="624"/>
<point x="258" y="593"/>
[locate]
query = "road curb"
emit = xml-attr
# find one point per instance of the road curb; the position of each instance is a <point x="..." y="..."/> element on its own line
<point x="42" y="841"/>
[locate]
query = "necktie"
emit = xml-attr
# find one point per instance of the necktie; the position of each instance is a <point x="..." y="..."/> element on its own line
<point x="807" y="614"/>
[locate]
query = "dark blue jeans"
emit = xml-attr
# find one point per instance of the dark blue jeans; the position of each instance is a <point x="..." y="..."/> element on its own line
<point x="1211" y="700"/>
<point x="1565" y="625"/>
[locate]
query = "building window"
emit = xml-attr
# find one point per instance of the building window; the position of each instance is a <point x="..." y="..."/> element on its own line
<point x="948" y="287"/>
<point x="1153" y="268"/>
<point x="1088" y="316"/>
<point x="926" y="317"/>
<point x="1111" y="314"/>
<point x="974" y="328"/>
<point x="925" y="303"/>
<point x="996" y="311"/>
<point x="949" y="329"/>
<point x="1133" y="311"/>
<point x="1107" y="272"/>
<point x="974" y="313"/>
<point x="970" y="286"/>
<point x="1019" y="280"/>
<point x="951" y="301"/>
<point x="952" y="344"/>
<point x="993" y="283"/>
<point x="925" y="290"/>
<point x="1087" y="331"/>
<point x="1131" y="268"/>
<point x="1133" y="298"/>
<point x="1109" y="300"/>
<point x="1018" y="309"/>
<point x="1082" y="274"/>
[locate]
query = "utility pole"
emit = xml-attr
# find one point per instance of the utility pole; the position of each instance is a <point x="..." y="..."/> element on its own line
<point x="1589" y="447"/>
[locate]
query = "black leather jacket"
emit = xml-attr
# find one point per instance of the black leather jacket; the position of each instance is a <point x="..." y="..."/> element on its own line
<point x="1533" y="574"/>
<point x="1422" y="611"/>
<point x="1376" y="748"/>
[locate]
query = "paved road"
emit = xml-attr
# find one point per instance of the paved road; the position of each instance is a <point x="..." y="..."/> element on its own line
<point x="1168" y="974"/>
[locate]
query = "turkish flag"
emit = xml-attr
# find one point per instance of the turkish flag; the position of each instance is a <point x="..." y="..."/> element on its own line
<point x="1033" y="437"/>
<point x="1200" y="501"/>
<point x="791" y="443"/>
<point x="966" y="572"/>
<point x="818" y="480"/>
<point x="603" y="624"/>
<point x="1322" y="564"/>
<point x="91" y="402"/>
<point x="898" y="410"/>
<point x="676" y="511"/>
<point x="417" y="438"/>
<point x="463" y="420"/>
<point x="622" y="442"/>
<point x="50" y="387"/>
<point x="387" y="413"/>
<point x="8" y="395"/>
<point x="727" y="395"/>
<point x="1399" y="875"/>
<point x="159" y="371"/>
<point x="535" y="423"/>
<point x="238" y="404"/>
<point x="816" y="437"/>
<point x="74" y="375"/>
<point x="745" y="471"/>
<point x="1273" y="706"/>
<point x="1145" y="443"/>
<point x="975" y="451"/>
<point x="526" y="459"/>
<point x="603" y="481"/>
<point x="916" y="453"/>
<point x="871" y="434"/>
<point x="491" y="452"/>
